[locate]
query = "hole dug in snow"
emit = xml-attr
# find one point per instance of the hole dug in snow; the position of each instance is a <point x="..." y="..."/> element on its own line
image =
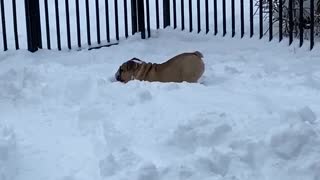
<point x="191" y="136"/>
<point x="289" y="143"/>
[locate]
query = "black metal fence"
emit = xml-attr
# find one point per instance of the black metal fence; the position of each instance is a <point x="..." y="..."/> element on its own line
<point x="83" y="20"/>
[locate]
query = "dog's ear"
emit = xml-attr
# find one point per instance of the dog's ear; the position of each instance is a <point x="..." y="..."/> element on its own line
<point x="132" y="65"/>
<point x="136" y="60"/>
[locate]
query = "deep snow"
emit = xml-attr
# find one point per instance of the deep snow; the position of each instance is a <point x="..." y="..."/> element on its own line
<point x="254" y="114"/>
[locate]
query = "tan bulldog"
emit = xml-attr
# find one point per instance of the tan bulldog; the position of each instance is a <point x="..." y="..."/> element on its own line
<point x="187" y="67"/>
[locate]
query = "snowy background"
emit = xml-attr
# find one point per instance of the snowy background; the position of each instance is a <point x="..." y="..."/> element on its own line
<point x="254" y="114"/>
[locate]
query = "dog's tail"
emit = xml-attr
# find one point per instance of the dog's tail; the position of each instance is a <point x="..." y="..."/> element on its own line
<point x="199" y="54"/>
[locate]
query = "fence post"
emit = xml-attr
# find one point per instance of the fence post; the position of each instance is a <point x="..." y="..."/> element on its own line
<point x="312" y="24"/>
<point x="141" y="18"/>
<point x="33" y="25"/>
<point x="166" y="13"/>
<point x="4" y="31"/>
<point x="134" y="16"/>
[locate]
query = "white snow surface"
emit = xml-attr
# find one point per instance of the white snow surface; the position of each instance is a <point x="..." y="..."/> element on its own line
<point x="254" y="115"/>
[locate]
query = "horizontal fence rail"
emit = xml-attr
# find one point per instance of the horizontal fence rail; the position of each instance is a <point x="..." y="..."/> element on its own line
<point x="77" y="24"/>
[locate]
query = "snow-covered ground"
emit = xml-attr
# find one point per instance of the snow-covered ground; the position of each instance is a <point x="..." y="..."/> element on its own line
<point x="254" y="114"/>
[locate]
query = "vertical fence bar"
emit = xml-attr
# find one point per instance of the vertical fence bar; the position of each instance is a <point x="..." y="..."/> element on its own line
<point x="224" y="17"/>
<point x="58" y="24"/>
<point x="37" y="20"/>
<point x="251" y="18"/>
<point x="108" y="20"/>
<point x="116" y="14"/>
<point x="14" y="11"/>
<point x="207" y="15"/>
<point x="157" y="14"/>
<point x="270" y="20"/>
<point x="233" y="24"/>
<point x="190" y="16"/>
<point x="174" y="14"/>
<point x="242" y="17"/>
<point x="98" y="22"/>
<point x="32" y="11"/>
<point x="148" y="18"/>
<point x="290" y="12"/>
<point x="199" y="15"/>
<point x="166" y="13"/>
<point x="301" y="22"/>
<point x="261" y="17"/>
<point x="78" y="23"/>
<point x="311" y="24"/>
<point x="32" y="47"/>
<point x="280" y="20"/>
<point x="4" y="31"/>
<point x="46" y="10"/>
<point x="141" y="19"/>
<point x="68" y="23"/>
<point x="134" y="16"/>
<point x="126" y="31"/>
<point x="88" y="23"/>
<point x="215" y="16"/>
<point x="182" y="15"/>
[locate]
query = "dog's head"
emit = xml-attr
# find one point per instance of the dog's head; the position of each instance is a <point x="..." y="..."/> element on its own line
<point x="127" y="70"/>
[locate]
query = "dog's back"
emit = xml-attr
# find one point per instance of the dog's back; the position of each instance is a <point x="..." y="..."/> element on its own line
<point x="184" y="67"/>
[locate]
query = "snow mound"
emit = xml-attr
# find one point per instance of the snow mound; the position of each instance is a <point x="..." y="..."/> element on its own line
<point x="207" y="148"/>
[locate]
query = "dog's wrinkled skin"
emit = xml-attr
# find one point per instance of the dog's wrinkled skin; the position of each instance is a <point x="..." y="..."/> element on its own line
<point x="187" y="67"/>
